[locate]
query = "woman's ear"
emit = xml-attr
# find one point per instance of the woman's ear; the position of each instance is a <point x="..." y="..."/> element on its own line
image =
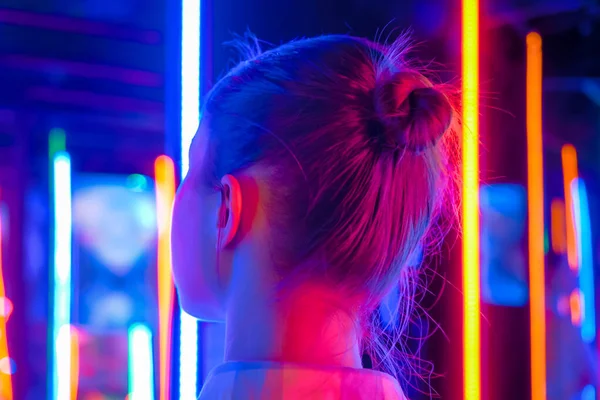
<point x="230" y="210"/>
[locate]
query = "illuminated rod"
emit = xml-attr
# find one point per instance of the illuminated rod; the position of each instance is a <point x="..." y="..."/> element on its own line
<point x="470" y="201"/>
<point x="6" y="389"/>
<point x="570" y="172"/>
<point x="141" y="373"/>
<point x="190" y="117"/>
<point x="535" y="195"/>
<point x="190" y="77"/>
<point x="558" y="226"/>
<point x="74" y="363"/>
<point x="165" y="193"/>
<point x="188" y="357"/>
<point x="575" y="306"/>
<point x="62" y="277"/>
<point x="583" y="235"/>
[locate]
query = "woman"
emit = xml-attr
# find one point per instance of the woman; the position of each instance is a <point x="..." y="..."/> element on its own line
<point x="316" y="174"/>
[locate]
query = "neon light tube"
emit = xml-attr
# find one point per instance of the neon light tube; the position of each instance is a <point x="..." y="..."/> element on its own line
<point x="62" y="277"/>
<point x="190" y="77"/>
<point x="570" y="172"/>
<point x="141" y="373"/>
<point x="188" y="357"/>
<point x="575" y="301"/>
<point x="165" y="193"/>
<point x="6" y="389"/>
<point x="583" y="234"/>
<point x="470" y="201"/>
<point x="535" y="194"/>
<point x="74" y="363"/>
<point x="558" y="226"/>
<point x="190" y="118"/>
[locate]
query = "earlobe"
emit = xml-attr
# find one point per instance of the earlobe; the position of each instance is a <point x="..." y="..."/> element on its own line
<point x="230" y="210"/>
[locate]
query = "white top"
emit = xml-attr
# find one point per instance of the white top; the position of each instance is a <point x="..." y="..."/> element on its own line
<point x="277" y="381"/>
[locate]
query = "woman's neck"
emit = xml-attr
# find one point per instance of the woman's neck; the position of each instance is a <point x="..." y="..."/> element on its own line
<point x="308" y="326"/>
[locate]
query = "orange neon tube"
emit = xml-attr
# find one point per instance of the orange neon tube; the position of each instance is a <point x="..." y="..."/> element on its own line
<point x="74" y="362"/>
<point x="470" y="201"/>
<point x="165" y="194"/>
<point x="570" y="172"/>
<point x="535" y="197"/>
<point x="6" y="389"/>
<point x="558" y="226"/>
<point x="576" y="307"/>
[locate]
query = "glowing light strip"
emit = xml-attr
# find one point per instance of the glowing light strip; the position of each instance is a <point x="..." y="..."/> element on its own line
<point x="558" y="226"/>
<point x="190" y="77"/>
<point x="583" y="230"/>
<point x="74" y="363"/>
<point x="62" y="276"/>
<point x="188" y="357"/>
<point x="190" y="117"/>
<point x="535" y="194"/>
<point x="6" y="389"/>
<point x="165" y="193"/>
<point x="570" y="172"/>
<point x="470" y="201"/>
<point x="141" y="372"/>
<point x="575" y="306"/>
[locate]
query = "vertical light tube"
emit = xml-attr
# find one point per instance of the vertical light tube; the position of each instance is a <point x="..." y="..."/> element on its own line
<point x="535" y="194"/>
<point x="583" y="236"/>
<point x="74" y="363"/>
<point x="558" y="226"/>
<point x="470" y="201"/>
<point x="190" y="117"/>
<point x="165" y="193"/>
<point x="188" y="357"/>
<point x="190" y="77"/>
<point x="570" y="172"/>
<point x="62" y="277"/>
<point x="141" y="373"/>
<point x="6" y="389"/>
<point x="575" y="300"/>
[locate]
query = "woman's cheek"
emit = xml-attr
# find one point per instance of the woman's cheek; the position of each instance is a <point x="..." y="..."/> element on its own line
<point x="194" y="255"/>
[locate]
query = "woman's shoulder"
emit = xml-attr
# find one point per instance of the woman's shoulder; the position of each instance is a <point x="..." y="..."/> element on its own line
<point x="273" y="381"/>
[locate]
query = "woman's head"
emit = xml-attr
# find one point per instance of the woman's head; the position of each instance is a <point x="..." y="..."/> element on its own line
<point x="331" y="153"/>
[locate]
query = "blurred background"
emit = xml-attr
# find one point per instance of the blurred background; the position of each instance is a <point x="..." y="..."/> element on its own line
<point x="98" y="99"/>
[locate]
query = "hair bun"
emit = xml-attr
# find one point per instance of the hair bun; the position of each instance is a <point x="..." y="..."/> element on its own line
<point x="414" y="114"/>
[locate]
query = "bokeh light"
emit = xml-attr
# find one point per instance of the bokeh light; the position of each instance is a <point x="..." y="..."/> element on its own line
<point x="8" y="366"/>
<point x="6" y="308"/>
